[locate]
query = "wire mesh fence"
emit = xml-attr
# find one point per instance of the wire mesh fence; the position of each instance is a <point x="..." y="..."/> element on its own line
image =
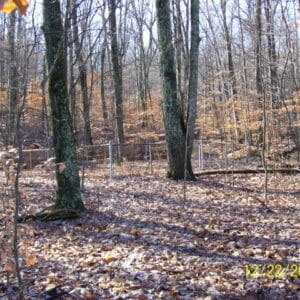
<point x="142" y="159"/>
<point x="151" y="158"/>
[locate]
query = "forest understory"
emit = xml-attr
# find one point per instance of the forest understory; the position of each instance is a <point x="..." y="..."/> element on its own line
<point x="140" y="239"/>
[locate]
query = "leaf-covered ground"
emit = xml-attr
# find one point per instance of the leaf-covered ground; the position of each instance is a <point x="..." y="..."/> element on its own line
<point x="140" y="239"/>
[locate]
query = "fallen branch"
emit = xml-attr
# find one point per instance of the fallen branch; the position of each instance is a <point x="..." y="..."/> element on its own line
<point x="249" y="171"/>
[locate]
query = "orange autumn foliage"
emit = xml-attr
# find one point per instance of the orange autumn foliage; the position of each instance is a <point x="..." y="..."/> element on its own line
<point x="8" y="6"/>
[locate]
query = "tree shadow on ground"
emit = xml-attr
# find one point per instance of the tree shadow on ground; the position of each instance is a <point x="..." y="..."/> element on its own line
<point x="93" y="219"/>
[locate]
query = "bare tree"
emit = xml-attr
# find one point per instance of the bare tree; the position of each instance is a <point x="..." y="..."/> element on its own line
<point x="193" y="79"/>
<point x="258" y="47"/>
<point x="117" y="78"/>
<point x="103" y="50"/>
<point x="269" y="13"/>
<point x="82" y="74"/>
<point x="232" y="78"/>
<point x="13" y="79"/>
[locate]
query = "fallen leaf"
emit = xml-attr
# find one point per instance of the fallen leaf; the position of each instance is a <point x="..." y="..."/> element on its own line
<point x="30" y="260"/>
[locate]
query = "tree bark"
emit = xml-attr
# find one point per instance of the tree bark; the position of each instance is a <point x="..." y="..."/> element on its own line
<point x="179" y="50"/>
<point x="175" y="129"/>
<point x="13" y="91"/>
<point x="82" y="76"/>
<point x="232" y="78"/>
<point x="272" y="54"/>
<point x="117" y="79"/>
<point x="68" y="195"/>
<point x="193" y="79"/>
<point x="102" y="85"/>
<point x="104" y="48"/>
<point x="258" y="44"/>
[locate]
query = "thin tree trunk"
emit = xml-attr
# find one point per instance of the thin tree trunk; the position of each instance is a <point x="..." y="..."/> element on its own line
<point x="243" y="47"/>
<point x="13" y="92"/>
<point x="232" y="78"/>
<point x="258" y="42"/>
<point x="178" y="43"/>
<point x="117" y="79"/>
<point x="3" y="77"/>
<point x="193" y="80"/>
<point x="68" y="194"/>
<point x="102" y="85"/>
<point x="72" y="86"/>
<point x="272" y="54"/>
<point x="45" y="119"/>
<point x="82" y="77"/>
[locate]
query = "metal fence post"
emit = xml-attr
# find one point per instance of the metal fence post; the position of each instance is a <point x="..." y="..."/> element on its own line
<point x="209" y="156"/>
<point x="201" y="155"/>
<point x="30" y="160"/>
<point x="150" y="158"/>
<point x="110" y="160"/>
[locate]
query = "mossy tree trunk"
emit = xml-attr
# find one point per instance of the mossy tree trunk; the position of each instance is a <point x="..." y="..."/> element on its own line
<point x="68" y="195"/>
<point x="175" y="129"/>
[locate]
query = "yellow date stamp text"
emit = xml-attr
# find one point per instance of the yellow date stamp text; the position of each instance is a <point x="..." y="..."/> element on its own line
<point x="272" y="271"/>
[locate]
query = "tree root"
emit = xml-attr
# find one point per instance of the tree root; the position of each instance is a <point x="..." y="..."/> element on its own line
<point x="52" y="214"/>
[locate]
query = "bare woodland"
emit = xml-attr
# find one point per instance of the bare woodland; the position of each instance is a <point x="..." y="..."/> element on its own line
<point x="150" y="149"/>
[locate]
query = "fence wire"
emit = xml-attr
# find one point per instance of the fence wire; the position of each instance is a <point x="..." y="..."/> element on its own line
<point x="146" y="158"/>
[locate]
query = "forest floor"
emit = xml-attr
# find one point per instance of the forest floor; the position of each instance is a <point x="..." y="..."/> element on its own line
<point x="140" y="239"/>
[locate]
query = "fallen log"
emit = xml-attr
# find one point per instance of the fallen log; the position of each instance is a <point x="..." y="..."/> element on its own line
<point x="248" y="171"/>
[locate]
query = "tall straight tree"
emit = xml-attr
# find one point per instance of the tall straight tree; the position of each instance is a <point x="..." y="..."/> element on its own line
<point x="193" y="79"/>
<point x="102" y="69"/>
<point x="68" y="195"/>
<point x="175" y="129"/>
<point x="269" y="11"/>
<point x="258" y="48"/>
<point x="13" y="92"/>
<point x="231" y="71"/>
<point x="117" y="78"/>
<point x="232" y="79"/>
<point x="82" y="75"/>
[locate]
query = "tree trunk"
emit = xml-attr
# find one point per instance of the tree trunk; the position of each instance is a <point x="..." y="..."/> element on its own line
<point x="258" y="44"/>
<point x="193" y="80"/>
<point x="117" y="79"/>
<point x="68" y="195"/>
<point x="13" y="91"/>
<point x="45" y="119"/>
<point x="272" y="54"/>
<point x="142" y="87"/>
<point x="3" y="67"/>
<point x="178" y="43"/>
<point x="82" y="77"/>
<point x="102" y="85"/>
<point x="232" y="79"/>
<point x="175" y="130"/>
<point x="72" y="84"/>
